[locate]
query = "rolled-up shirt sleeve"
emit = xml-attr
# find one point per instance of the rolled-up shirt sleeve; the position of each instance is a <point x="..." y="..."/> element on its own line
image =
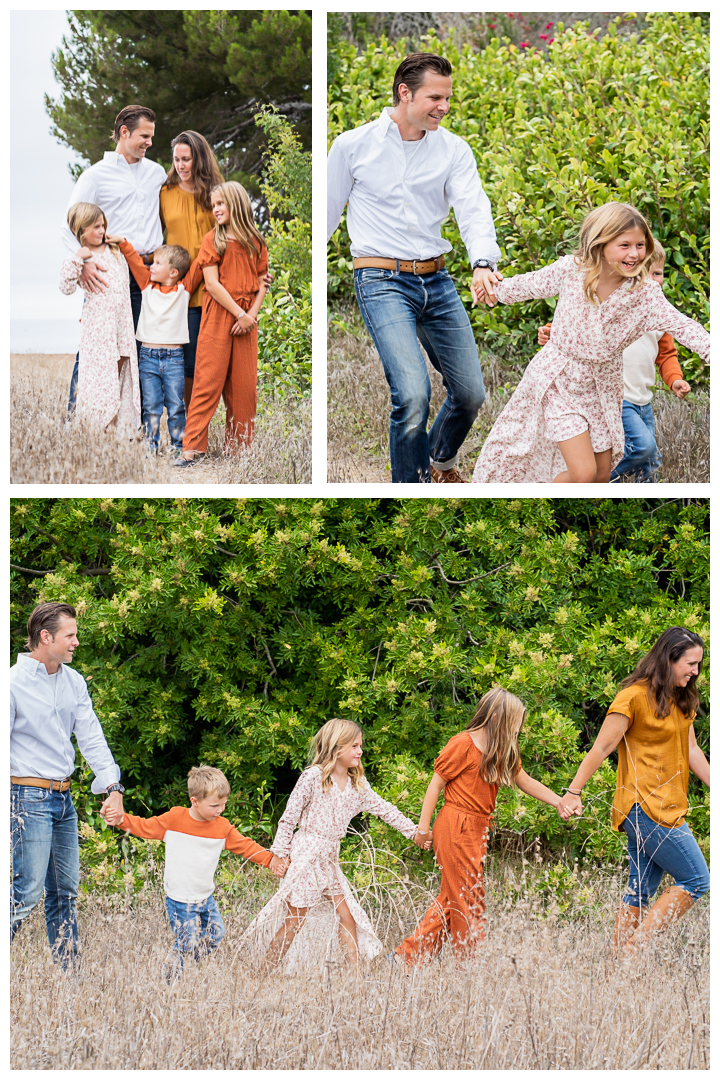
<point x="339" y="186"/>
<point x="93" y="744"/>
<point x="471" y="206"/>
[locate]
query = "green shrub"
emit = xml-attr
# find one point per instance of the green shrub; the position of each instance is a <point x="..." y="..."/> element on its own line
<point x="555" y="135"/>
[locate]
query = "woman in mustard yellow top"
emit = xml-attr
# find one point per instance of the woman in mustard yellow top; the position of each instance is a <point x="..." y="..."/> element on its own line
<point x="651" y="724"/>
<point x="187" y="217"/>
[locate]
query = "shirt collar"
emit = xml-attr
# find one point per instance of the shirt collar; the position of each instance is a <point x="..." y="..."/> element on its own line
<point x="387" y="124"/>
<point x="33" y="665"/>
<point x="111" y="157"/>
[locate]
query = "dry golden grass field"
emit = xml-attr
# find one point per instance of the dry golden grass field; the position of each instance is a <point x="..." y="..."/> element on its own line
<point x="541" y="994"/>
<point x="43" y="450"/>
<point x="359" y="414"/>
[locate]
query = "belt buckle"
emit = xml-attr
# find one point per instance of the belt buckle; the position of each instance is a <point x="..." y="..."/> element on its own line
<point x="414" y="265"/>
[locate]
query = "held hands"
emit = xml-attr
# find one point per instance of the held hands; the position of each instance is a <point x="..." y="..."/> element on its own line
<point x="112" y="808"/>
<point x="279" y="866"/>
<point x="569" y="805"/>
<point x="483" y="284"/>
<point x="423" y="839"/>
<point x="245" y="322"/>
<point x="680" y="388"/>
<point x="544" y="334"/>
<point x="92" y="279"/>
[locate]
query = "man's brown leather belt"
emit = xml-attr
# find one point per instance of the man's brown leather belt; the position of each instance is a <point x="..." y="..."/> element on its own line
<point x="38" y="781"/>
<point x="403" y="266"/>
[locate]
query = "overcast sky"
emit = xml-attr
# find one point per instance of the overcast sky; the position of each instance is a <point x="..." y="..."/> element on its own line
<point x="40" y="184"/>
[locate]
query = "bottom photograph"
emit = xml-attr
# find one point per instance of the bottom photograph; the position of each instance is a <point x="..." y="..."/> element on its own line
<point x="360" y="783"/>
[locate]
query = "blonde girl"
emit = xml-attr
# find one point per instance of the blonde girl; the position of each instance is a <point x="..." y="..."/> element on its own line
<point x="563" y="423"/>
<point x="315" y="911"/>
<point x="469" y="770"/>
<point x="233" y="258"/>
<point x="108" y="380"/>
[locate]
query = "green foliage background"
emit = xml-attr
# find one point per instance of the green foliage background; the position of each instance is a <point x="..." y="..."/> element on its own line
<point x="554" y="135"/>
<point x="229" y="630"/>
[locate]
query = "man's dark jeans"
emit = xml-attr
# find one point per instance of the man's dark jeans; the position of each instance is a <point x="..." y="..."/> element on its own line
<point x="136" y="304"/>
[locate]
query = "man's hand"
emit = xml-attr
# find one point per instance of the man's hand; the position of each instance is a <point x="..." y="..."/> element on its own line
<point x="483" y="284"/>
<point x="112" y="808"/>
<point x="279" y="866"/>
<point x="92" y="278"/>
<point x="268" y="280"/>
<point x="680" y="388"/>
<point x="544" y="334"/>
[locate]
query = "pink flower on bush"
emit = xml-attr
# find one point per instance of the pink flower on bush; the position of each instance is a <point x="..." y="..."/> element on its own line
<point x="524" y="45"/>
<point x="543" y="37"/>
<point x="492" y="25"/>
<point x="550" y="40"/>
<point x="548" y="26"/>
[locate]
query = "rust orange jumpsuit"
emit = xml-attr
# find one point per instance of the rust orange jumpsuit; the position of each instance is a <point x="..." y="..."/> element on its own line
<point x="460" y="841"/>
<point x="226" y="364"/>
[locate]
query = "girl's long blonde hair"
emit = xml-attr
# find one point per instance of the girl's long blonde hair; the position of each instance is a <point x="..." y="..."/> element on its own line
<point x="330" y="741"/>
<point x="502" y="715"/>
<point x="242" y="222"/>
<point x="81" y="217"/>
<point x="601" y="226"/>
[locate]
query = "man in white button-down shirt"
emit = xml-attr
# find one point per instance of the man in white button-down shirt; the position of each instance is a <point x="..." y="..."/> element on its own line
<point x="49" y="702"/>
<point x="126" y="186"/>
<point x="399" y="175"/>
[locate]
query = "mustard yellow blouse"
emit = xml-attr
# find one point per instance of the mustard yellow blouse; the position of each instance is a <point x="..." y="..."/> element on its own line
<point x="186" y="223"/>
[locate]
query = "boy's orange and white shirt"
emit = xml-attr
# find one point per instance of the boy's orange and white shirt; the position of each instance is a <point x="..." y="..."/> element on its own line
<point x="164" y="312"/>
<point x="192" y="850"/>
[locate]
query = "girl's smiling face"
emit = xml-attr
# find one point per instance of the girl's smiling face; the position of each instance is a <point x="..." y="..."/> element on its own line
<point x="626" y="251"/>
<point x="220" y="210"/>
<point x="350" y="756"/>
<point x="183" y="162"/>
<point x="95" y="235"/>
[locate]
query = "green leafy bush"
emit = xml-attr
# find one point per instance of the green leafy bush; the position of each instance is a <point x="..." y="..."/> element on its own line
<point x="555" y="135"/>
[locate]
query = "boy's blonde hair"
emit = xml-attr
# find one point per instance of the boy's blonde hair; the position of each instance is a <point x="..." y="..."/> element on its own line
<point x="502" y="715"/>
<point x="242" y="222"/>
<point x="177" y="257"/>
<point x="81" y="217"/>
<point x="659" y="256"/>
<point x="601" y="226"/>
<point x="330" y="741"/>
<point x="204" y="781"/>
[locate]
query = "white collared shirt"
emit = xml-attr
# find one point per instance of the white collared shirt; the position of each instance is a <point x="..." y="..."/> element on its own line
<point x="45" y="710"/>
<point x="129" y="196"/>
<point x="397" y="205"/>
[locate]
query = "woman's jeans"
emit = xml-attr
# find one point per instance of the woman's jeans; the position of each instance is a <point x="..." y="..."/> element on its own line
<point x="198" y="929"/>
<point x="642" y="456"/>
<point x="654" y="850"/>
<point x="162" y="381"/>
<point x="45" y="853"/>
<point x="190" y="347"/>
<point x="399" y="309"/>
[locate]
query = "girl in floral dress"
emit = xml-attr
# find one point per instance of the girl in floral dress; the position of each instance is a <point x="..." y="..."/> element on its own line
<point x="315" y="909"/>
<point x="108" y="379"/>
<point x="563" y="423"/>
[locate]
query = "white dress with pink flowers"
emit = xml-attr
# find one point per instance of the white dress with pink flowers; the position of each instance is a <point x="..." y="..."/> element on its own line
<point x="314" y="876"/>
<point x="575" y="382"/>
<point x="107" y="334"/>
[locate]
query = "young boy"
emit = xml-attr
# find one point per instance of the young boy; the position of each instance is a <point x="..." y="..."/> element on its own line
<point x="166" y="285"/>
<point x="193" y="839"/>
<point x="654" y="349"/>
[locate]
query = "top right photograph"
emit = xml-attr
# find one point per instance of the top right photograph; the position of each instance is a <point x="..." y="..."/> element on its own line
<point x="518" y="247"/>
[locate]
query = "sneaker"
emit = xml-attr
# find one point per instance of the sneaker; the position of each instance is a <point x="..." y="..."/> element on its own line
<point x="446" y="476"/>
<point x="188" y="463"/>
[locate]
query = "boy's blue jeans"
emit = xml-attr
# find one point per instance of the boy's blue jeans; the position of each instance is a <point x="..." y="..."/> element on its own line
<point x="198" y="929"/>
<point x="642" y="455"/>
<point x="162" y="382"/>
<point x="398" y="309"/>
<point x="654" y="850"/>
<point x="45" y="854"/>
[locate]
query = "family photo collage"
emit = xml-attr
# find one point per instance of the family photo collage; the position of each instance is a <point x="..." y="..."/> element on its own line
<point x="313" y="765"/>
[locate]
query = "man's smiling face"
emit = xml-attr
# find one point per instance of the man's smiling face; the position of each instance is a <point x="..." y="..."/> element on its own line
<point x="431" y="102"/>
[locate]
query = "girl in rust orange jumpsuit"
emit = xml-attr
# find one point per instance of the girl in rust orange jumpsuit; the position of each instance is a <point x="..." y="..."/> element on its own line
<point x="470" y="769"/>
<point x="233" y="258"/>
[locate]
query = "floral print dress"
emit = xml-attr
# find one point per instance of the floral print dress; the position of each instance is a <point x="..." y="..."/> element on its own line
<point x="107" y="334"/>
<point x="314" y="876"/>
<point x="575" y="382"/>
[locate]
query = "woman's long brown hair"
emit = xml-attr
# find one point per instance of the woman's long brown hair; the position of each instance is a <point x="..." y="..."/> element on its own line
<point x="656" y="672"/>
<point x="206" y="174"/>
<point x="502" y="715"/>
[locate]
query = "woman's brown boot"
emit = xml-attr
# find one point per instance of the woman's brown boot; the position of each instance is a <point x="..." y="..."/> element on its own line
<point x="666" y="910"/>
<point x="626" y="923"/>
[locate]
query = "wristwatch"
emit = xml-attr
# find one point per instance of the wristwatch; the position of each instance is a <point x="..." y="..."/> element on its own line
<point x="115" y="787"/>
<point x="485" y="264"/>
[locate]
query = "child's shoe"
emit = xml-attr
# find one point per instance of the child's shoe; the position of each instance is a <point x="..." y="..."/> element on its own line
<point x="188" y="463"/>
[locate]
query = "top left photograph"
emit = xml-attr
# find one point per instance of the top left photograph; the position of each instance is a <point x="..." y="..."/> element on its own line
<point x="161" y="319"/>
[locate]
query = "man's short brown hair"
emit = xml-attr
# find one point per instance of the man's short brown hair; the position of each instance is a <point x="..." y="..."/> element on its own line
<point x="177" y="257"/>
<point x="130" y="117"/>
<point x="46" y="617"/>
<point x="412" y="71"/>
<point x="204" y="781"/>
<point x="659" y="255"/>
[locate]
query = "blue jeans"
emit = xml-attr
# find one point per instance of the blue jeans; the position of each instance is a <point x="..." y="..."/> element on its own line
<point x="398" y="309"/>
<point x="162" y="381"/>
<point x="190" y="349"/>
<point x="45" y="853"/>
<point x="642" y="455"/>
<point x="135" y="304"/>
<point x="654" y="850"/>
<point x="198" y="929"/>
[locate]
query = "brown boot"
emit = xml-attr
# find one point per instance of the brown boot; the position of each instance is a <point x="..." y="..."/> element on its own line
<point x="626" y="923"/>
<point x="666" y="910"/>
<point x="446" y="476"/>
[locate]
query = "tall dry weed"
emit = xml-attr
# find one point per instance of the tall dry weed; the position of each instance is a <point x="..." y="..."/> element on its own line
<point x="359" y="415"/>
<point x="541" y="993"/>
